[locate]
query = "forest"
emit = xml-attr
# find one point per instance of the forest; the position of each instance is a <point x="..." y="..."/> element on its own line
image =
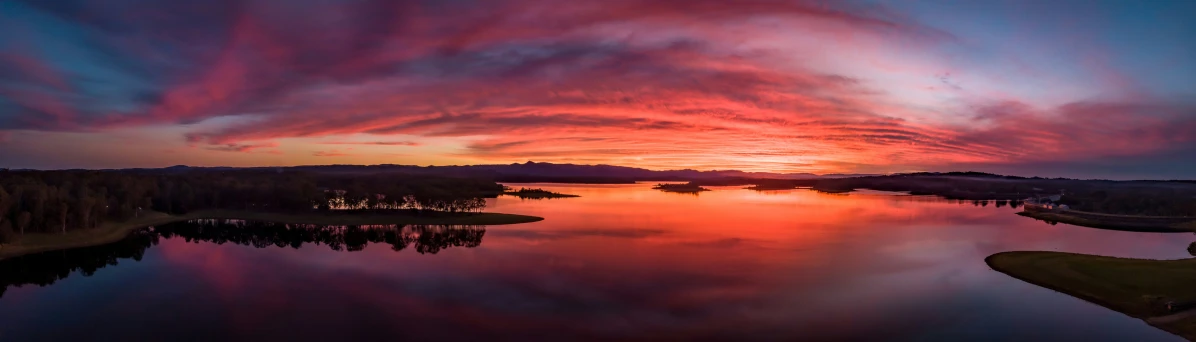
<point x="1151" y="198"/>
<point x="61" y="201"/>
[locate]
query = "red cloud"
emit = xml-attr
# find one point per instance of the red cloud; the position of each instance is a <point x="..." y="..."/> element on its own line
<point x="379" y="143"/>
<point x="651" y="83"/>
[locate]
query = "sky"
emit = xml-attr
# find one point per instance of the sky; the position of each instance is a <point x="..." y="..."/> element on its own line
<point x="1088" y="88"/>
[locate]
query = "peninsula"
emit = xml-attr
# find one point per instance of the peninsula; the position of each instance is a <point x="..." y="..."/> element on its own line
<point x="52" y="210"/>
<point x="1159" y="292"/>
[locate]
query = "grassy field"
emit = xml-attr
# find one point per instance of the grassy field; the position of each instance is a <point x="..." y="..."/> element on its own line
<point x="1136" y="287"/>
<point x="114" y="231"/>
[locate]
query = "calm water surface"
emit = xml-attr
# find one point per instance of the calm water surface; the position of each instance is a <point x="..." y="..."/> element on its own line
<point x="622" y="262"/>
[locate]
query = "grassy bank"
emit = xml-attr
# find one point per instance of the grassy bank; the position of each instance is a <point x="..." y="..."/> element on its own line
<point x="106" y="233"/>
<point x="114" y="231"/>
<point x="1136" y="287"/>
<point x="1114" y="222"/>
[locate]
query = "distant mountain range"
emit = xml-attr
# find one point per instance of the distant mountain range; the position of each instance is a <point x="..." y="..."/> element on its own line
<point x="534" y="172"/>
<point x="576" y="173"/>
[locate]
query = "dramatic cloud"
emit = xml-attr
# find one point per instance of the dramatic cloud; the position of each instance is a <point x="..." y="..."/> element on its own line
<point x="772" y="85"/>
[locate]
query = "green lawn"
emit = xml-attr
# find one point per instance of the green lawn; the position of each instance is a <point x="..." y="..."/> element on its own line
<point x="114" y="231"/>
<point x="1135" y="287"/>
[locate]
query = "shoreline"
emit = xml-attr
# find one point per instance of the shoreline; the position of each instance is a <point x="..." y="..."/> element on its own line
<point x="1110" y="282"/>
<point x="115" y="231"/>
<point x="1148" y="224"/>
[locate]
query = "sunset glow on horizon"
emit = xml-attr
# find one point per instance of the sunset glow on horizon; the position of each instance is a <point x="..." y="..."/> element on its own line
<point x="1051" y="88"/>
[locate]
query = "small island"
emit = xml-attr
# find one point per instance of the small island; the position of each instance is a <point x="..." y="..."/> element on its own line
<point x="1159" y="292"/>
<point x="686" y="188"/>
<point x="529" y="193"/>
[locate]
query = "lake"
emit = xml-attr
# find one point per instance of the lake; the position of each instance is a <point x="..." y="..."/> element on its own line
<point x="622" y="262"/>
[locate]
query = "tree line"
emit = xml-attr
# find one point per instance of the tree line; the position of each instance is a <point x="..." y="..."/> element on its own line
<point x="61" y="201"/>
<point x="46" y="268"/>
<point x="1152" y="198"/>
<point x="426" y="239"/>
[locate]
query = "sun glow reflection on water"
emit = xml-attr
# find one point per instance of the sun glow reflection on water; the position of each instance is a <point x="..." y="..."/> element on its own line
<point x="619" y="262"/>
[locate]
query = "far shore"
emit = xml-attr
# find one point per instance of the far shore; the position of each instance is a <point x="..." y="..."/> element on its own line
<point x="526" y="193"/>
<point x="832" y="190"/>
<point x="685" y="188"/>
<point x="1155" y="224"/>
<point x="115" y="231"/>
<point x="771" y="187"/>
<point x="539" y="196"/>
<point x="1157" y="291"/>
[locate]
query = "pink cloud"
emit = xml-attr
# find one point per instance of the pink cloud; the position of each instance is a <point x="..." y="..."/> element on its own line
<point x="242" y="147"/>
<point x="379" y="143"/>
<point x="749" y="84"/>
<point x="330" y="153"/>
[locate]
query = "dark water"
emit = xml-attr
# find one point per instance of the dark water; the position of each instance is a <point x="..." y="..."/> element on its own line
<point x="620" y="263"/>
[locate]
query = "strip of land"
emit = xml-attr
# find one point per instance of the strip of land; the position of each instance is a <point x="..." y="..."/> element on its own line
<point x="1158" y="224"/>
<point x="687" y="188"/>
<point x="771" y="187"/>
<point x="115" y="231"/>
<point x="1160" y="292"/>
<point x="526" y="193"/>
